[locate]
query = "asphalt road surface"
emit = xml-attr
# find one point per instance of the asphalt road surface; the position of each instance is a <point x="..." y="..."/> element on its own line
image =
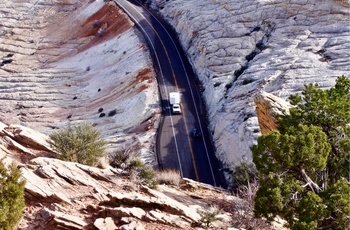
<point x="177" y="148"/>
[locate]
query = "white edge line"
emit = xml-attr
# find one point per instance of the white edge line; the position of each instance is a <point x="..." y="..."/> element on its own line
<point x="161" y="73"/>
<point x="188" y="81"/>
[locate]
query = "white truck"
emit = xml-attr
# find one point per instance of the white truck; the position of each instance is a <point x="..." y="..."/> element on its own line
<point x="174" y="99"/>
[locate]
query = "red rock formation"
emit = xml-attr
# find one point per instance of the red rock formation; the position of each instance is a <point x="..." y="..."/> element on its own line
<point x="267" y="107"/>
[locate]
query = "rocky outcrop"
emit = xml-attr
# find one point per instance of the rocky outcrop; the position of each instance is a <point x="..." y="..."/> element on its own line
<point x="268" y="107"/>
<point x="105" y="224"/>
<point x="27" y="136"/>
<point x="93" y="195"/>
<point x="22" y="143"/>
<point x="69" y="195"/>
<point x="239" y="48"/>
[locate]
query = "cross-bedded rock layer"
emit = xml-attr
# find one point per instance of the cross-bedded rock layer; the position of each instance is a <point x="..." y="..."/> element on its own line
<point x="68" y="61"/>
<point x="240" y="47"/>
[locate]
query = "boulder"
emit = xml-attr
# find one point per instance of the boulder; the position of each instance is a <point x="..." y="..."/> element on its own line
<point x="105" y="224"/>
<point x="134" y="212"/>
<point x="53" y="180"/>
<point x="45" y="189"/>
<point x="66" y="221"/>
<point x="59" y="220"/>
<point x="268" y="107"/>
<point x="169" y="203"/>
<point x="168" y="219"/>
<point x="134" y="225"/>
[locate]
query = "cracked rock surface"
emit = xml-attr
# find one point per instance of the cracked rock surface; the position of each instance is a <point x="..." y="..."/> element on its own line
<point x="69" y="195"/>
<point x="63" y="62"/>
<point x="239" y="48"/>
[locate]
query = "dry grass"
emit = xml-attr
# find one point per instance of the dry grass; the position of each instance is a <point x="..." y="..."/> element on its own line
<point x="168" y="177"/>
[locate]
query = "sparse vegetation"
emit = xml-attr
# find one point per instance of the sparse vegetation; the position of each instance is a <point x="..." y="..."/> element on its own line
<point x="251" y="56"/>
<point x="145" y="174"/>
<point x="245" y="186"/>
<point x="11" y="196"/>
<point x="169" y="177"/>
<point x="112" y="112"/>
<point x="245" y="173"/>
<point x="121" y="158"/>
<point x="81" y="143"/>
<point x="228" y="85"/>
<point x="96" y="23"/>
<point x="209" y="216"/>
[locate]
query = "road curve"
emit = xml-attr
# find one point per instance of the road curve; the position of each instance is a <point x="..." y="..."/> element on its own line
<point x="177" y="148"/>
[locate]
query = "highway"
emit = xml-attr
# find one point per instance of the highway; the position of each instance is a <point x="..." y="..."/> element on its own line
<point x="176" y="147"/>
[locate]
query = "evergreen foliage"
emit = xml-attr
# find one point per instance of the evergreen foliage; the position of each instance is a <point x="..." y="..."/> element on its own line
<point x="144" y="173"/>
<point x="11" y="196"/>
<point x="82" y="143"/>
<point x="209" y="216"/>
<point x="147" y="176"/>
<point x="245" y="173"/>
<point x="304" y="165"/>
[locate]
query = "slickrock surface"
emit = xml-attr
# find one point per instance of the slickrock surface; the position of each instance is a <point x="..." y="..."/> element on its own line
<point x="241" y="47"/>
<point x="68" y="61"/>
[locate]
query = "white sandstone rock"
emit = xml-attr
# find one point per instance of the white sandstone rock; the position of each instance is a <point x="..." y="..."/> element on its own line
<point x="254" y="45"/>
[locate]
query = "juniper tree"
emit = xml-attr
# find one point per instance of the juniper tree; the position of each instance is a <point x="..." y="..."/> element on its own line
<point x="304" y="165"/>
<point x="11" y="196"/>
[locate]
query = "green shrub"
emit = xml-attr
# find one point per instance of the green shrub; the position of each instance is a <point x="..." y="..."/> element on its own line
<point x="147" y="176"/>
<point x="144" y="173"/>
<point x="11" y="196"/>
<point x="81" y="143"/>
<point x="120" y="158"/>
<point x="209" y="216"/>
<point x="136" y="164"/>
<point x="245" y="173"/>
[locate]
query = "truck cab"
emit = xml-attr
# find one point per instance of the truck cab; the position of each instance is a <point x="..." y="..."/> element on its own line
<point x="176" y="108"/>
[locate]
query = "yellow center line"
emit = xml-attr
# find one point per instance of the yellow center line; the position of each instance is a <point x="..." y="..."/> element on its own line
<point x="177" y="88"/>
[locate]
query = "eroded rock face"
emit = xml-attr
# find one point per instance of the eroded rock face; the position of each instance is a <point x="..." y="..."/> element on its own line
<point x="72" y="61"/>
<point x="239" y="48"/>
<point x="268" y="107"/>
<point x="69" y="195"/>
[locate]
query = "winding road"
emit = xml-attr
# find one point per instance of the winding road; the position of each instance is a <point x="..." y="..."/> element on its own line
<point x="176" y="147"/>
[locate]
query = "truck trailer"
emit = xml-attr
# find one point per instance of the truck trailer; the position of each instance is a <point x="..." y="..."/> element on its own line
<point x="174" y="99"/>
